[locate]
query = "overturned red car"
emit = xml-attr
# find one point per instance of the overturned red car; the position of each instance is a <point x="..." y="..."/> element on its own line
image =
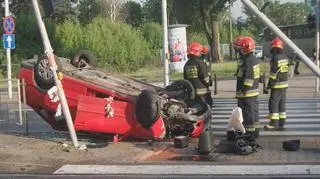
<point x="102" y="102"/>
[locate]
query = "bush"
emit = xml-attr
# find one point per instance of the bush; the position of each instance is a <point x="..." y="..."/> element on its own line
<point x="152" y="32"/>
<point x="118" y="46"/>
<point x="71" y="37"/>
<point x="197" y="37"/>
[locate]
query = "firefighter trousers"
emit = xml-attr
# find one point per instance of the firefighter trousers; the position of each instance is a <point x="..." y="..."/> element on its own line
<point x="277" y="107"/>
<point x="250" y="113"/>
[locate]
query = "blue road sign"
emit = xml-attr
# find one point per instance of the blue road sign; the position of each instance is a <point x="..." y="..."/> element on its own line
<point x="8" y="25"/>
<point x="9" y="41"/>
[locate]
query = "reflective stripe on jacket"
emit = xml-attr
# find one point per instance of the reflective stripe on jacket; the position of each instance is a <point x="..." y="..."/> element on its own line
<point x="197" y="72"/>
<point x="279" y="66"/>
<point x="248" y="77"/>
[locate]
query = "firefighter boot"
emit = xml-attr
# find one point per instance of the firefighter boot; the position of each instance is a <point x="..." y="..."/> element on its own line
<point x="272" y="125"/>
<point x="282" y="123"/>
<point x="257" y="133"/>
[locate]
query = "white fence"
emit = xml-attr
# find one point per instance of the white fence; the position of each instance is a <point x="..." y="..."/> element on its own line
<point x="13" y="110"/>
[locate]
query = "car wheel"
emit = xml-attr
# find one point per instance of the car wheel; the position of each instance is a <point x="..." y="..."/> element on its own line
<point x="43" y="75"/>
<point x="83" y="59"/>
<point x="185" y="86"/>
<point x="147" y="108"/>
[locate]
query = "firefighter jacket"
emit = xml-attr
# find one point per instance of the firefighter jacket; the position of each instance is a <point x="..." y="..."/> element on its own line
<point x="248" y="76"/>
<point x="197" y="72"/>
<point x="279" y="65"/>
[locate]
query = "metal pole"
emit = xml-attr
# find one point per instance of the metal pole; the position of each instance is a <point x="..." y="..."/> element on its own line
<point x="317" y="43"/>
<point x="53" y="67"/>
<point x="19" y="102"/>
<point x="165" y="53"/>
<point x="8" y="51"/>
<point x="24" y="98"/>
<point x="279" y="33"/>
<point x="230" y="31"/>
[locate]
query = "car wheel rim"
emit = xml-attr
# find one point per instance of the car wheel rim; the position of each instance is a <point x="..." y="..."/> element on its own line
<point x="44" y="71"/>
<point x="83" y="62"/>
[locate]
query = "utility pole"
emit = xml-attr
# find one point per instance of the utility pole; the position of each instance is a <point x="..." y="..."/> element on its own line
<point x="53" y="67"/>
<point x="165" y="48"/>
<point x="230" y="31"/>
<point x="317" y="43"/>
<point x="8" y="51"/>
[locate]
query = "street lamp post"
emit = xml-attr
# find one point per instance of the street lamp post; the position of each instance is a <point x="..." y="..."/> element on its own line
<point x="317" y="43"/>
<point x="53" y="67"/>
<point x="165" y="48"/>
<point x="230" y="30"/>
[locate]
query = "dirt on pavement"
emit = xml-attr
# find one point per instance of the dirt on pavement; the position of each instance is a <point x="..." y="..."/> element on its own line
<point x="40" y="153"/>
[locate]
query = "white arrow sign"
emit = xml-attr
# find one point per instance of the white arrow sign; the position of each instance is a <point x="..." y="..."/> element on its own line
<point x="9" y="40"/>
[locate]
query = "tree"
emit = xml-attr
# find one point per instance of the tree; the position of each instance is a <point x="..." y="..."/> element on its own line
<point x="61" y="10"/>
<point x="111" y="9"/>
<point x="132" y="13"/>
<point x="210" y="14"/>
<point x="58" y="10"/>
<point x="280" y="14"/>
<point x="153" y="11"/>
<point x="88" y="9"/>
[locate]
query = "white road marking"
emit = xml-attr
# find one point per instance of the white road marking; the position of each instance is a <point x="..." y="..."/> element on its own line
<point x="191" y="169"/>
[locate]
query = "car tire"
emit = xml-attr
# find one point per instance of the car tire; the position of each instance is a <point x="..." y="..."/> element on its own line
<point x="43" y="75"/>
<point x="147" y="109"/>
<point x="183" y="85"/>
<point x="84" y="58"/>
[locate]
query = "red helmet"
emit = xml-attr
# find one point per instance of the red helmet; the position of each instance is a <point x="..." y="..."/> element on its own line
<point x="247" y="45"/>
<point x="277" y="43"/>
<point x="205" y="50"/>
<point x="237" y="41"/>
<point x="195" y="49"/>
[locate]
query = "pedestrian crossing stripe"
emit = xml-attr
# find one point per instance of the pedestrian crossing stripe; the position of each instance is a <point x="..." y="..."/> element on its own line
<point x="156" y="169"/>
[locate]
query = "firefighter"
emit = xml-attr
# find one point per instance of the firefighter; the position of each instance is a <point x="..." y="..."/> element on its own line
<point x="278" y="83"/>
<point x="197" y="73"/>
<point x="248" y="87"/>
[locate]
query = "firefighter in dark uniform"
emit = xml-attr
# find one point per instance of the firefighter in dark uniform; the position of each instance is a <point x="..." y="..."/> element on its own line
<point x="248" y="87"/>
<point x="197" y="73"/>
<point x="278" y="83"/>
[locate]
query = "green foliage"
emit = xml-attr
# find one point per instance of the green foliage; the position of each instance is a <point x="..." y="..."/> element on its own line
<point x="279" y="13"/>
<point x="71" y="37"/>
<point x="118" y="46"/>
<point x="152" y="10"/>
<point x="28" y="39"/>
<point x="88" y="10"/>
<point x="63" y="11"/>
<point x="133" y="13"/>
<point x="197" y="37"/>
<point x="152" y="32"/>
